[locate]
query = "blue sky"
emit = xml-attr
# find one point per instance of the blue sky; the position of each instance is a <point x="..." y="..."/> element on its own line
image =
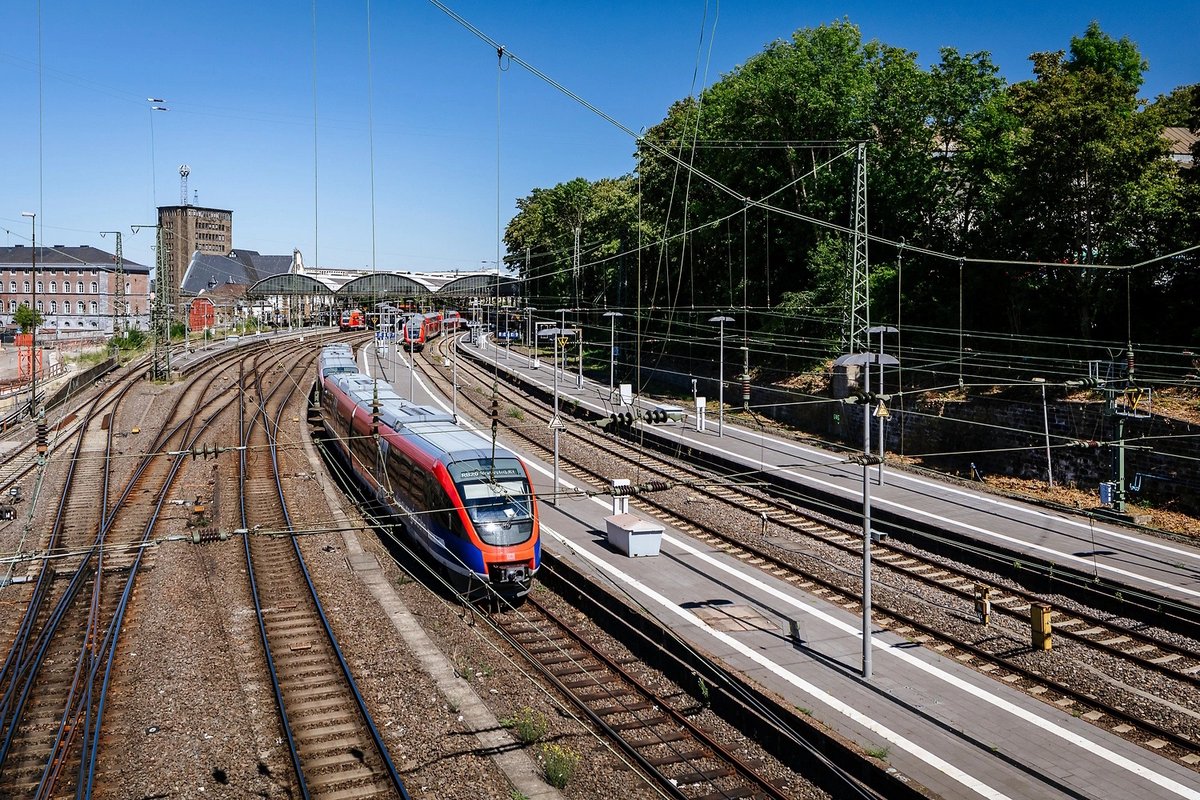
<point x="238" y="79"/>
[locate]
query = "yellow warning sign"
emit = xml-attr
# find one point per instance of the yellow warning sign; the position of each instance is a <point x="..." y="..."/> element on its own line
<point x="881" y="410"/>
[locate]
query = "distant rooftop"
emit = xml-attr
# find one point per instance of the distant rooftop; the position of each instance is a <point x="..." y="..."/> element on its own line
<point x="1180" y="140"/>
<point x="60" y="255"/>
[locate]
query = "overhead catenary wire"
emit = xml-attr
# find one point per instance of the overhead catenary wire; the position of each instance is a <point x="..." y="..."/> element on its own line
<point x="725" y="188"/>
<point x="386" y="528"/>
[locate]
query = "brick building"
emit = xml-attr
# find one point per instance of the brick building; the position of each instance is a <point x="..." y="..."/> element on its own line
<point x="192" y="229"/>
<point x="76" y="289"/>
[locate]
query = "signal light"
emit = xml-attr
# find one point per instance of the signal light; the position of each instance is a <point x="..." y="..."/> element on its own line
<point x="620" y="419"/>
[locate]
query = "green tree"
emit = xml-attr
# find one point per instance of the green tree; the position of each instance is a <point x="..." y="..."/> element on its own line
<point x="973" y="130"/>
<point x="27" y="318"/>
<point x="1179" y="108"/>
<point x="1098" y="52"/>
<point x="604" y="213"/>
<point x="770" y="130"/>
<point x="1089" y="184"/>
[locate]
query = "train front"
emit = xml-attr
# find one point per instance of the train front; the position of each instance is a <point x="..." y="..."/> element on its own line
<point x="500" y="505"/>
<point x="414" y="333"/>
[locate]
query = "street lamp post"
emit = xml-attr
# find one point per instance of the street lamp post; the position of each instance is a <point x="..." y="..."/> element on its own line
<point x="394" y="344"/>
<point x="1046" y="423"/>
<point x="556" y="422"/>
<point x="412" y="367"/>
<point x="866" y="561"/>
<point x="612" y="346"/>
<point x="562" y="327"/>
<point x="579" y="336"/>
<point x="33" y="359"/>
<point x="721" y="320"/>
<point x="454" y="373"/>
<point x="881" y="330"/>
<point x="529" y="335"/>
<point x="865" y="360"/>
<point x="156" y="104"/>
<point x="557" y="334"/>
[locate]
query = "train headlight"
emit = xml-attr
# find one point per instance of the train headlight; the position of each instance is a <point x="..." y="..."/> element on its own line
<point x="516" y="573"/>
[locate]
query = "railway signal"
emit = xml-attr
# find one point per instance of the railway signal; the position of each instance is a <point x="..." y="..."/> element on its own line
<point x="662" y="414"/>
<point x="618" y="419"/>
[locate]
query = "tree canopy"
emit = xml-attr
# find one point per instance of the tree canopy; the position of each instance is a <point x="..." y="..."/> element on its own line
<point x="743" y="196"/>
<point x="27" y="318"/>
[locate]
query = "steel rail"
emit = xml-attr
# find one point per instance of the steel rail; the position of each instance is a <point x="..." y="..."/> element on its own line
<point x="270" y="429"/>
<point x="77" y="717"/>
<point x="79" y="707"/>
<point x="1085" y="698"/>
<point x="272" y="433"/>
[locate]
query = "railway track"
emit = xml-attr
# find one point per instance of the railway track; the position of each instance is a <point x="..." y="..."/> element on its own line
<point x="76" y="590"/>
<point x="796" y="531"/>
<point x="336" y="749"/>
<point x="662" y="732"/>
<point x="55" y="676"/>
<point x="1146" y="651"/>
<point x="681" y="757"/>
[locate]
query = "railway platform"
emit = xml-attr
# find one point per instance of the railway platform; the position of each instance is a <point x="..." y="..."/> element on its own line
<point x="931" y="718"/>
<point x="1085" y="547"/>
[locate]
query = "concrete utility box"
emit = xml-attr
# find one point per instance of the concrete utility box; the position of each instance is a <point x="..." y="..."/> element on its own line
<point x="846" y="380"/>
<point x="634" y="536"/>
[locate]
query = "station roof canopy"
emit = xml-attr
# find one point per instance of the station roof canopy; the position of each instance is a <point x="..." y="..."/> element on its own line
<point x="349" y="288"/>
<point x="378" y="286"/>
<point x="289" y="283"/>
<point x="479" y="283"/>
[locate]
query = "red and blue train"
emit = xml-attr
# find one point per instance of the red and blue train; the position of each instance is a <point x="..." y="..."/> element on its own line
<point x="421" y="328"/>
<point x="467" y="503"/>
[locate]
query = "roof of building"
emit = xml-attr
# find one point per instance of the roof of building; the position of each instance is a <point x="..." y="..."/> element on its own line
<point x="1181" y="141"/>
<point x="225" y="294"/>
<point x="60" y="256"/>
<point x="198" y="208"/>
<point x="241" y="267"/>
<point x="264" y="266"/>
<point x="249" y="267"/>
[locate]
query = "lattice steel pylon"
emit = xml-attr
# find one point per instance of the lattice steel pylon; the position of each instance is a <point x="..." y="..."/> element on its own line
<point x="119" y="306"/>
<point x="858" y="314"/>
<point x="161" y="368"/>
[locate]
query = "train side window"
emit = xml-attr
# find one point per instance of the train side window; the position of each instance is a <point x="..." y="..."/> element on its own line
<point x="439" y="503"/>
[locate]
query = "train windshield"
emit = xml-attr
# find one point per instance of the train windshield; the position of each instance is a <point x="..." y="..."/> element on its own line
<point x="496" y="497"/>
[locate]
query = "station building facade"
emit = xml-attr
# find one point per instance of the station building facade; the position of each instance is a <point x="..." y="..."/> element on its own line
<point x="76" y="288"/>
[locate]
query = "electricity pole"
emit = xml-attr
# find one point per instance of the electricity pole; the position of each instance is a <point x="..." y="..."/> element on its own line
<point x="118" y="308"/>
<point x="160" y="312"/>
<point x="33" y="351"/>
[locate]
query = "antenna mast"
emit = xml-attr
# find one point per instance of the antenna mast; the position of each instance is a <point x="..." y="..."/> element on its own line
<point x="184" y="171"/>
